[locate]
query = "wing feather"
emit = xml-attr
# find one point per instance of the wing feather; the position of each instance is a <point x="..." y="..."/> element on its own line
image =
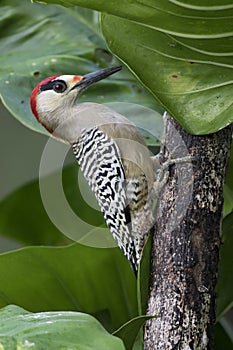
<point x="100" y="161"/>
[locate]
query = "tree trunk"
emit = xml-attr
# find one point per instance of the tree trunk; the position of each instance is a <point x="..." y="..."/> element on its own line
<point x="186" y="243"/>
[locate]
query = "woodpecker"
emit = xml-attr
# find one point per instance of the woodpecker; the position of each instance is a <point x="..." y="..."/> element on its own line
<point x="110" y="151"/>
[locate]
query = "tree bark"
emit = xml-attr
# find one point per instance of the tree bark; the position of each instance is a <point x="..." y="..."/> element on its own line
<point x="186" y="242"/>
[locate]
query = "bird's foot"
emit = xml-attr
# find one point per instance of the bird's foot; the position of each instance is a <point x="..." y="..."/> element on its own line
<point x="162" y="169"/>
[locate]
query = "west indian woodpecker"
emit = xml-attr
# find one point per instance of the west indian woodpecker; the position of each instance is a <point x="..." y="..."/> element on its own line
<point x="110" y="151"/>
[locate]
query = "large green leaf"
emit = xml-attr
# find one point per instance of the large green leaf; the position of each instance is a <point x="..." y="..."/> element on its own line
<point x="196" y="91"/>
<point x="38" y="41"/>
<point x="74" y="278"/>
<point x="129" y="331"/>
<point x="180" y="51"/>
<point x="53" y="330"/>
<point x="32" y="224"/>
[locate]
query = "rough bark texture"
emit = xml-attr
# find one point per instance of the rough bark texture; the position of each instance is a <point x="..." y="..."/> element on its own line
<point x="186" y="242"/>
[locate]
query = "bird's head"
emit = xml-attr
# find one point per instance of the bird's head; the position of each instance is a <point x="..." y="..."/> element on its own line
<point x="53" y="96"/>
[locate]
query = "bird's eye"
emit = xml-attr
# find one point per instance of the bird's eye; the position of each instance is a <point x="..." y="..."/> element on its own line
<point x="59" y="86"/>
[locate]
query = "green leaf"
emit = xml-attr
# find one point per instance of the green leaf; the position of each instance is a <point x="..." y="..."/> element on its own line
<point x="25" y="204"/>
<point x="38" y="41"/>
<point x="24" y="228"/>
<point x="228" y="188"/>
<point x="195" y="91"/>
<point x="222" y="339"/>
<point x="225" y="281"/>
<point x="76" y="277"/>
<point x="181" y="52"/>
<point x="129" y="331"/>
<point x="53" y="330"/>
<point x="144" y="276"/>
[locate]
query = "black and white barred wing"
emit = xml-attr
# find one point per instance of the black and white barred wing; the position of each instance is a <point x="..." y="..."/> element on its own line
<point x="99" y="160"/>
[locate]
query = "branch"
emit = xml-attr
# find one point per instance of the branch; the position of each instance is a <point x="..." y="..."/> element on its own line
<point x="186" y="243"/>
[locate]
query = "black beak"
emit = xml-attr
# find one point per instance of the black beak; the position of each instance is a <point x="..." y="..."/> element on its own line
<point x="92" y="78"/>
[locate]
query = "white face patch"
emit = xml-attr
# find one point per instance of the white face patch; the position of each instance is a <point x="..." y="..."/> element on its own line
<point x="54" y="100"/>
<point x="56" y="93"/>
<point x="48" y="101"/>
